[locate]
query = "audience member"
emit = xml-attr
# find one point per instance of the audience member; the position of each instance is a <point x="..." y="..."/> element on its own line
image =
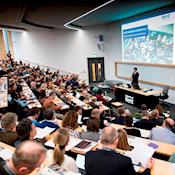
<point x="70" y="122"/>
<point x="8" y="133"/>
<point x="25" y="130"/>
<point x="164" y="134"/>
<point x="107" y="160"/>
<point x="92" y="132"/>
<point x="49" y="102"/>
<point x="34" y="114"/>
<point x="156" y="118"/>
<point x="145" y="123"/>
<point x="160" y="109"/>
<point x="60" y="159"/>
<point x="121" y="119"/>
<point x="28" y="156"/>
<point x="129" y="127"/>
<point x="49" y="119"/>
<point x="123" y="140"/>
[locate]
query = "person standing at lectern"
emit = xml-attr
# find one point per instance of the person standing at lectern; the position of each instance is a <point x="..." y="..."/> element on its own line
<point x="135" y="77"/>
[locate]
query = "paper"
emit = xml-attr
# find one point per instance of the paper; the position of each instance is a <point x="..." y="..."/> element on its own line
<point x="136" y="168"/>
<point x="6" y="154"/>
<point x="80" y="161"/>
<point x="140" y="154"/>
<point x="145" y="133"/>
<point x="79" y="119"/>
<point x="42" y="132"/>
<point x="50" y="143"/>
<point x="72" y="142"/>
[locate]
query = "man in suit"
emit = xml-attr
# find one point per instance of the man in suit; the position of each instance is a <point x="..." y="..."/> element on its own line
<point x="135" y="79"/>
<point x="107" y="161"/>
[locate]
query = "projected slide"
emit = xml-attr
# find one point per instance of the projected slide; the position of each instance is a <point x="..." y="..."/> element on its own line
<point x="149" y="40"/>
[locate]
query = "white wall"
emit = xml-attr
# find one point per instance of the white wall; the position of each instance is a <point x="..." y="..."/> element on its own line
<point x="64" y="49"/>
<point x="68" y="50"/>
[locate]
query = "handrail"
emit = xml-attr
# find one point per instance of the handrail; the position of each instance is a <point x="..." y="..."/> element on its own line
<point x="62" y="72"/>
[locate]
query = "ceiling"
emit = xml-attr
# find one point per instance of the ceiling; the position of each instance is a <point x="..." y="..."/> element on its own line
<point x="51" y="14"/>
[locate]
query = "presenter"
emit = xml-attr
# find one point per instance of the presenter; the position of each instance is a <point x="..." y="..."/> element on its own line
<point x="135" y="78"/>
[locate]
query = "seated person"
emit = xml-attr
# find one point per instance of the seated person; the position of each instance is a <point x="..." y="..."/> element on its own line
<point x="160" y="110"/>
<point x="49" y="119"/>
<point x="42" y="96"/>
<point x="123" y="140"/>
<point x="34" y="89"/>
<point x="144" y="108"/>
<point x="8" y="133"/>
<point x="100" y="96"/>
<point x="129" y="127"/>
<point x="107" y="161"/>
<point x="28" y="156"/>
<point x="121" y="119"/>
<point x="58" y="156"/>
<point x="25" y="130"/>
<point x="49" y="102"/>
<point x="96" y="115"/>
<point x="34" y="114"/>
<point x="156" y="118"/>
<point x="70" y="122"/>
<point x="145" y="123"/>
<point x="93" y="102"/>
<point x="92" y="132"/>
<point x="164" y="133"/>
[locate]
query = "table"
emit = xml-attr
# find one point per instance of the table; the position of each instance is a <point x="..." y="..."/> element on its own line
<point x="163" y="149"/>
<point x="32" y="101"/>
<point x="137" y="97"/>
<point x="3" y="92"/>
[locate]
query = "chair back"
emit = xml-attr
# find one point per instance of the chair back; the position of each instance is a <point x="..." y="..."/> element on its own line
<point x="165" y="90"/>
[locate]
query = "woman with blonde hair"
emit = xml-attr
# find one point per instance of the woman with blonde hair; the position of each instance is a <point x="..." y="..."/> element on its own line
<point x="61" y="139"/>
<point x="123" y="140"/>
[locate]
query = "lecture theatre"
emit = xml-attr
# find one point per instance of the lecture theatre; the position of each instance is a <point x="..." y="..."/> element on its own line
<point x="87" y="87"/>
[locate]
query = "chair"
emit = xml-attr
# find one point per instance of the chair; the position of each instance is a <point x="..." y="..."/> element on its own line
<point x="137" y="115"/>
<point x="164" y="94"/>
<point x="172" y="158"/>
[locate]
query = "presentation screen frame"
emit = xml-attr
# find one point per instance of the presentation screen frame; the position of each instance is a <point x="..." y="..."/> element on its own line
<point x="150" y="39"/>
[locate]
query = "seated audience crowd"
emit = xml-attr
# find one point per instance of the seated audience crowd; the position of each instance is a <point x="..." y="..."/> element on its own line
<point x="19" y="123"/>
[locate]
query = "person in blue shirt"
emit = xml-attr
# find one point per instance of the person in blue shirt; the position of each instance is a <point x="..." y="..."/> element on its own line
<point x="33" y="116"/>
<point x="164" y="133"/>
<point x="49" y="119"/>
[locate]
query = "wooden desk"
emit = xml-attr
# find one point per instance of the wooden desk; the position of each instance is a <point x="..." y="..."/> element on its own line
<point x="58" y="101"/>
<point x="136" y="97"/>
<point x="32" y="101"/>
<point x="3" y="92"/>
<point x="164" y="148"/>
<point x="161" y="167"/>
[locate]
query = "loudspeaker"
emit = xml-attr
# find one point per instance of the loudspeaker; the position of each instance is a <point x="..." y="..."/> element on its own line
<point x="101" y="38"/>
<point x="100" y="43"/>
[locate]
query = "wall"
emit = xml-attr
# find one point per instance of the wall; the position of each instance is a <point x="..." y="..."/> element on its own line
<point x="64" y="49"/>
<point x="68" y="50"/>
<point x="114" y="51"/>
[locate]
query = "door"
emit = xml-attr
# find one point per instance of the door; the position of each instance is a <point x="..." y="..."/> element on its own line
<point x="96" y="70"/>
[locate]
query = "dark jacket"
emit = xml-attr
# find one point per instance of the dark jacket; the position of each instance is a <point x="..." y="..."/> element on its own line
<point x="109" y="162"/>
<point x="8" y="137"/>
<point x="2" y="169"/>
<point x="145" y="124"/>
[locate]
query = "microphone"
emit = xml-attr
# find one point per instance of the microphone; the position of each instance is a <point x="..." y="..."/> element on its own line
<point x="148" y="90"/>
